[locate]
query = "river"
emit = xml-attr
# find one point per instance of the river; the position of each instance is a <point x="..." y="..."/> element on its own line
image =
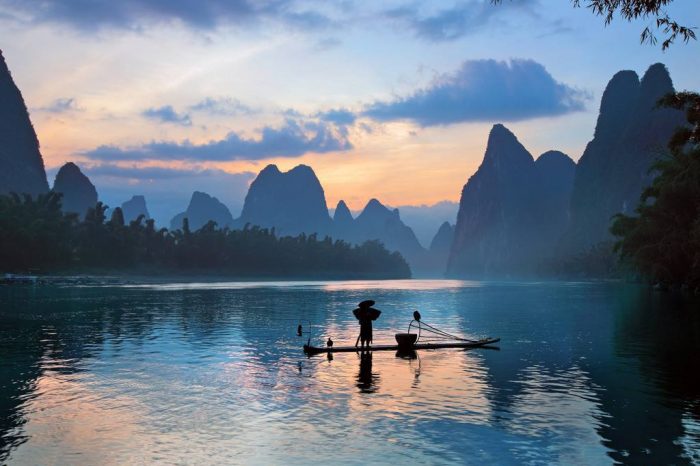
<point x="121" y="372"/>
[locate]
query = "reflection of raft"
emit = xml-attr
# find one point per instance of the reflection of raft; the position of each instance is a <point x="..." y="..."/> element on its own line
<point x="309" y="349"/>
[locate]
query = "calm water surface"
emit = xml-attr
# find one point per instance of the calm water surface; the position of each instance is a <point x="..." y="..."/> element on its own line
<point x="213" y="373"/>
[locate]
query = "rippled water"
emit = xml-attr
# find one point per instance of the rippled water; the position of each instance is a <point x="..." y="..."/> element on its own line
<point x="213" y="373"/>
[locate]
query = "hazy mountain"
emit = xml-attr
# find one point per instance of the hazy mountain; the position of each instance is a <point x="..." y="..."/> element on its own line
<point x="442" y="241"/>
<point x="134" y="207"/>
<point x="342" y="218"/>
<point x="614" y="168"/>
<point x="425" y="220"/>
<point x="555" y="173"/>
<point x="292" y="202"/>
<point x="21" y="165"/>
<point x="377" y="222"/>
<point x="435" y="260"/>
<point x="201" y="209"/>
<point x="79" y="194"/>
<point x="512" y="210"/>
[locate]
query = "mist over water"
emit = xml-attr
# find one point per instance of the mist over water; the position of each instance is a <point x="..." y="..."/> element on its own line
<point x="110" y="372"/>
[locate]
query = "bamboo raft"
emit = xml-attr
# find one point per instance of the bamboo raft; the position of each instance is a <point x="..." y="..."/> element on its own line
<point x="310" y="349"/>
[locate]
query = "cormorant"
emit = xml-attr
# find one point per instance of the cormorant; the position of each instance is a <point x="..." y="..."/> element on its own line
<point x="329" y="343"/>
<point x="416" y="316"/>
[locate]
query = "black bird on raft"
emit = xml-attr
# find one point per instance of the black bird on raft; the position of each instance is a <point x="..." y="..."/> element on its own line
<point x="416" y="316"/>
<point x="329" y="343"/>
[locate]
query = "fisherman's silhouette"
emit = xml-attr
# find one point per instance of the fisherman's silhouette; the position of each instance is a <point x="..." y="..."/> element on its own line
<point x="365" y="313"/>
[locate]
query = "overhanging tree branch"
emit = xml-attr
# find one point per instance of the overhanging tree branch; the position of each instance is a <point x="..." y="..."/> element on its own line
<point x="631" y="10"/>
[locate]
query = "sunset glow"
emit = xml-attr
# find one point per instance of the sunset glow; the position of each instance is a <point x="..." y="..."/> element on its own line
<point x="173" y="79"/>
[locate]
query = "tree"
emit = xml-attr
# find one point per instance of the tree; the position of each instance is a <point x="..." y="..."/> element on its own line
<point x="631" y="10"/>
<point x="117" y="217"/>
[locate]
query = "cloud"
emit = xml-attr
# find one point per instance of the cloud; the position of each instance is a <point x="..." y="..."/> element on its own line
<point x="222" y="106"/>
<point x="457" y="21"/>
<point x="135" y="172"/>
<point x="61" y="105"/>
<point x="89" y="15"/>
<point x="484" y="90"/>
<point x="292" y="139"/>
<point x="167" y="114"/>
<point x="327" y="43"/>
<point x="305" y="20"/>
<point x="339" y="116"/>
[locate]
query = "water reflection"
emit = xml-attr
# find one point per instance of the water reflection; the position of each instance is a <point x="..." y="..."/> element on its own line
<point x="588" y="373"/>
<point x="367" y="381"/>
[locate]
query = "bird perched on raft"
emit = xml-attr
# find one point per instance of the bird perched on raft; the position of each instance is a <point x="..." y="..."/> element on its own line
<point x="329" y="343"/>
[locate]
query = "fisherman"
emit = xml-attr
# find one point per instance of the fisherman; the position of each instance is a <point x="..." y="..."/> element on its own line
<point x="365" y="313"/>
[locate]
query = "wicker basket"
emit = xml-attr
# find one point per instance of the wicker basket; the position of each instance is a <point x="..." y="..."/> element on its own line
<point x="406" y="340"/>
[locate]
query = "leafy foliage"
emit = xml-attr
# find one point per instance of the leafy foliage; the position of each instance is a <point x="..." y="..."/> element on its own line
<point x="34" y="231"/>
<point x="635" y="9"/>
<point x="36" y="235"/>
<point x="663" y="240"/>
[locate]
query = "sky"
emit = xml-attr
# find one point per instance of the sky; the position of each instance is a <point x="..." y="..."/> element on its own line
<point x="388" y="100"/>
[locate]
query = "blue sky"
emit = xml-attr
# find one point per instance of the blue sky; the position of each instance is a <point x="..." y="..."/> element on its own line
<point x="392" y="100"/>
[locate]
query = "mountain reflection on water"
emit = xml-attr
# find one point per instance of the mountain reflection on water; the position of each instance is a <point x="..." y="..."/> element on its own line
<point x="124" y="373"/>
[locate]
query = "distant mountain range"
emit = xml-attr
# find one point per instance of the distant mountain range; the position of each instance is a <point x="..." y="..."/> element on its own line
<point x="516" y="213"/>
<point x="294" y="203"/>
<point x="377" y="222"/>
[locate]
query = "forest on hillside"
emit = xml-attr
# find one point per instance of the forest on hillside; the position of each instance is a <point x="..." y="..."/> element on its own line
<point x="36" y="236"/>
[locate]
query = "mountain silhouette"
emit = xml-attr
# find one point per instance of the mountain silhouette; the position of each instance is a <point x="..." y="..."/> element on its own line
<point x="439" y="252"/>
<point x="377" y="222"/>
<point x="292" y="202"/>
<point x="442" y="241"/>
<point x="202" y="209"/>
<point x="135" y="207"/>
<point x="425" y="220"/>
<point x="631" y="132"/>
<point x="79" y="194"/>
<point x="512" y="210"/>
<point x="21" y="164"/>
<point x="342" y="218"/>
